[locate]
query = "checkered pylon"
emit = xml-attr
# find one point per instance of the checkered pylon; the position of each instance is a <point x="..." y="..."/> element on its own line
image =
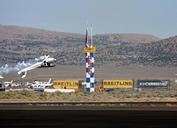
<point x="90" y="72"/>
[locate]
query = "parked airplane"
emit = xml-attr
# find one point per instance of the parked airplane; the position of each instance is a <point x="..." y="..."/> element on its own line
<point x="41" y="85"/>
<point x="44" y="61"/>
<point x="8" y="83"/>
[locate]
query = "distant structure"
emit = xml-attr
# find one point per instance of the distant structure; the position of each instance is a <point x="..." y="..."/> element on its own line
<point x="89" y="51"/>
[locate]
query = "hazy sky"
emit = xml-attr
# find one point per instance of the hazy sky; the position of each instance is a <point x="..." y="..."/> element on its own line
<point x="157" y="17"/>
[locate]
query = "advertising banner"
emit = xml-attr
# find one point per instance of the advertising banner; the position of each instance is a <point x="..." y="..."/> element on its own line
<point x="117" y="84"/>
<point x="153" y="83"/>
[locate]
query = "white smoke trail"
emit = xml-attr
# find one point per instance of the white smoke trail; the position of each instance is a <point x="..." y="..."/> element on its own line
<point x="20" y="65"/>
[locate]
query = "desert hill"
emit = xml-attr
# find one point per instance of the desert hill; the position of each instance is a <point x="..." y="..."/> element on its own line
<point x="23" y="43"/>
<point x="131" y="37"/>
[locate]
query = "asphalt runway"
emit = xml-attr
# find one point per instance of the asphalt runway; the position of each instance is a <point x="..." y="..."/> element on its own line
<point x="94" y="117"/>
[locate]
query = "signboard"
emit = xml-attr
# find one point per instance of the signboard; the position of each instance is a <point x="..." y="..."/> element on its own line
<point x="117" y="84"/>
<point x="67" y="84"/>
<point x="153" y="83"/>
<point x="93" y="49"/>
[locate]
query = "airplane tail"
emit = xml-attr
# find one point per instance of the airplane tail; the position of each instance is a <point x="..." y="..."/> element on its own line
<point x="50" y="81"/>
<point x="11" y="81"/>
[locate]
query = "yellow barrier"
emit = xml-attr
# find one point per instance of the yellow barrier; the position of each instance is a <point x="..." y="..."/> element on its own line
<point x="67" y="84"/>
<point x="117" y="84"/>
<point x="89" y="49"/>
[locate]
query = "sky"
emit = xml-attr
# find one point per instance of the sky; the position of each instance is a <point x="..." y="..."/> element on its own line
<point x="156" y="17"/>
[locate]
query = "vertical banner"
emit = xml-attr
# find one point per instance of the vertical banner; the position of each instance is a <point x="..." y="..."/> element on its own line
<point x="89" y="51"/>
<point x="90" y="72"/>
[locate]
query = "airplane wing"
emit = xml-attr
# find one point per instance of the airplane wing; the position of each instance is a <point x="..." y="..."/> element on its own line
<point x="46" y="61"/>
<point x="24" y="71"/>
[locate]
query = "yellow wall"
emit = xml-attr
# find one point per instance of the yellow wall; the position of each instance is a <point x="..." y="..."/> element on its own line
<point x="117" y="84"/>
<point x="68" y="84"/>
<point x="89" y="49"/>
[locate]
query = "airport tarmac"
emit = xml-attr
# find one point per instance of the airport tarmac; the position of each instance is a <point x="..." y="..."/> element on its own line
<point x="88" y="117"/>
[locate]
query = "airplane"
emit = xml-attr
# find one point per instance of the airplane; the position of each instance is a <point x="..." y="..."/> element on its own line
<point x="36" y="85"/>
<point x="8" y="83"/>
<point x="44" y="61"/>
<point x="16" y="85"/>
<point x="47" y="61"/>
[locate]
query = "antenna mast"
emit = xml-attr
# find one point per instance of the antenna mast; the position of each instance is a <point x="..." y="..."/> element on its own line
<point x="91" y="38"/>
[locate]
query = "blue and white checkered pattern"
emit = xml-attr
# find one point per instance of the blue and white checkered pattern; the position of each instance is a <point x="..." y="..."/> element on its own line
<point x="90" y="72"/>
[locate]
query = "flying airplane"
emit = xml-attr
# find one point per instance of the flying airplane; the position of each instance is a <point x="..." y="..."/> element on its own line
<point x="43" y="61"/>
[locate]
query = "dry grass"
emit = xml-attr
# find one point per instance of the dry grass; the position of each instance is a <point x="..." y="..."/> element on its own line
<point x="25" y="95"/>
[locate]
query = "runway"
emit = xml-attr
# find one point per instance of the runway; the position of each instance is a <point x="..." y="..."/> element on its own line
<point x="90" y="116"/>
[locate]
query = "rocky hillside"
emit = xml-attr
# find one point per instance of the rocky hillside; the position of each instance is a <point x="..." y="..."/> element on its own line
<point x="20" y="43"/>
<point x="163" y="52"/>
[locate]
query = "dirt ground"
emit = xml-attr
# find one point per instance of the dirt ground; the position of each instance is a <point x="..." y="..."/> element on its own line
<point x="101" y="72"/>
